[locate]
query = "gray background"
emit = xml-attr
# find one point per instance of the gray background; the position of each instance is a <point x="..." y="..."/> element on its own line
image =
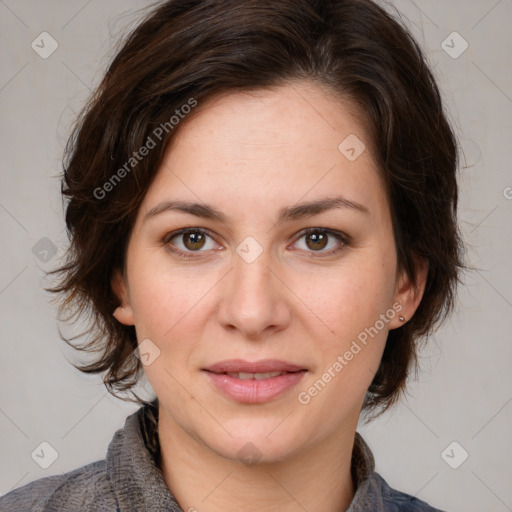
<point x="464" y="391"/>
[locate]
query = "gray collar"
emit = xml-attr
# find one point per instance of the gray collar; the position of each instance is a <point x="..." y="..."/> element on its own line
<point x="133" y="458"/>
<point x="137" y="482"/>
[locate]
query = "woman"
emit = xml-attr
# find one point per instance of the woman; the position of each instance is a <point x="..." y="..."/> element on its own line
<point x="262" y="212"/>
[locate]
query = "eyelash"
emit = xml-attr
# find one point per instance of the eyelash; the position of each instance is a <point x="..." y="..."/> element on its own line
<point x="341" y="237"/>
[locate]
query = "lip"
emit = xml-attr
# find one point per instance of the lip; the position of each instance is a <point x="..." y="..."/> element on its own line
<point x="254" y="391"/>
<point x="265" y="365"/>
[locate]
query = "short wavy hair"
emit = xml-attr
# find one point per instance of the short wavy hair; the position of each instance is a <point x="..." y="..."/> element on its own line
<point x="185" y="49"/>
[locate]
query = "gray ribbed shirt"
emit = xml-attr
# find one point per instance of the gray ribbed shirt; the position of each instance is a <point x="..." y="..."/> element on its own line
<point x="129" y="479"/>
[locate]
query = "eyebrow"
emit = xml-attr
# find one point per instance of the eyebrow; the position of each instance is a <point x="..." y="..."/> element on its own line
<point x="289" y="213"/>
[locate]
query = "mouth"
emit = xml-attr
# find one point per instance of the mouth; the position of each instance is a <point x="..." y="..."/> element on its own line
<point x="255" y="376"/>
<point x="254" y="382"/>
<point x="240" y="366"/>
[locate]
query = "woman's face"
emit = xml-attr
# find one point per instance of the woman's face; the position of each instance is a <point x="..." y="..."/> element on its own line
<point x="266" y="334"/>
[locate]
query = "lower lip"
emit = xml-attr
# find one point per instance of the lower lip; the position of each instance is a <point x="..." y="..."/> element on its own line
<point x="254" y="391"/>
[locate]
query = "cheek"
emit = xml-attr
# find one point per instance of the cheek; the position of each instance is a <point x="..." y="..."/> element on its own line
<point x="349" y="298"/>
<point x="347" y="329"/>
<point x="166" y="311"/>
<point x="350" y="303"/>
<point x="167" y="302"/>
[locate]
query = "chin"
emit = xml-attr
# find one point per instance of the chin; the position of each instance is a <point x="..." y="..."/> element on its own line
<point x="251" y="443"/>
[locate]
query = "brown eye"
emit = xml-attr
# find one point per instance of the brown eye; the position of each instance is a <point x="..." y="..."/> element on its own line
<point x="316" y="240"/>
<point x="186" y="242"/>
<point x="194" y="240"/>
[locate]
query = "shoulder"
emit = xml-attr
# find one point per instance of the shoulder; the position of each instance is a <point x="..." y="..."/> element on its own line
<point x="86" y="488"/>
<point x="373" y="492"/>
<point x="396" y="501"/>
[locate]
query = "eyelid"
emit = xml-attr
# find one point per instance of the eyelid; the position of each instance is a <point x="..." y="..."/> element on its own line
<point x="337" y="234"/>
<point x="182" y="231"/>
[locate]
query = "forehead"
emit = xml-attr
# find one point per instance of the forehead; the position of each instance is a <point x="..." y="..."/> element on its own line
<point x="264" y="146"/>
<point x="299" y="115"/>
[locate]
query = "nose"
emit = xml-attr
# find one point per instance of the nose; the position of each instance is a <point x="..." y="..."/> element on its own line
<point x="254" y="299"/>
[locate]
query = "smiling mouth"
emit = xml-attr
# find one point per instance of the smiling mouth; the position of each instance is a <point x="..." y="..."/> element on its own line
<point x="254" y="382"/>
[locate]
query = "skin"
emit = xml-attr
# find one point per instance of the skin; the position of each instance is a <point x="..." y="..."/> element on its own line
<point x="250" y="154"/>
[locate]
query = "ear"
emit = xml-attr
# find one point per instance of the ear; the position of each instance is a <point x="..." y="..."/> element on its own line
<point x="123" y="313"/>
<point x="408" y="295"/>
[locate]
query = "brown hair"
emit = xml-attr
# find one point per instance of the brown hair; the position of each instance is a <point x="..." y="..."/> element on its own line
<point x="191" y="50"/>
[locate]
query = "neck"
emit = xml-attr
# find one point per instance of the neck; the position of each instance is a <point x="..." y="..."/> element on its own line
<point x="201" y="480"/>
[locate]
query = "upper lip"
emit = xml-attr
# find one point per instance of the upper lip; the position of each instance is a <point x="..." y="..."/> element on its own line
<point x="263" y="366"/>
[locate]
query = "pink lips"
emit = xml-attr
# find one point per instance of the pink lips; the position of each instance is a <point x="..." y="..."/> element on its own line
<point x="254" y="391"/>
